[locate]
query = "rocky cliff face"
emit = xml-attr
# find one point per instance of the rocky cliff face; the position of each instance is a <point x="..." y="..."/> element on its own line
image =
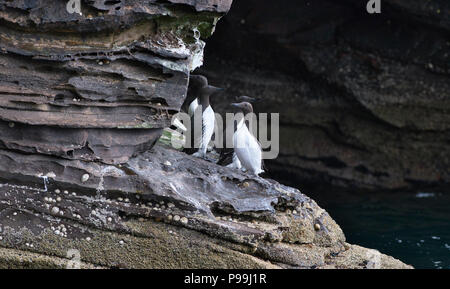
<point x="101" y="85"/>
<point x="83" y="99"/>
<point x="363" y="99"/>
<point x="164" y="209"/>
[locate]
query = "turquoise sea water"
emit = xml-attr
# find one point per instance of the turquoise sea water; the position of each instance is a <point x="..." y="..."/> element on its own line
<point x="413" y="227"/>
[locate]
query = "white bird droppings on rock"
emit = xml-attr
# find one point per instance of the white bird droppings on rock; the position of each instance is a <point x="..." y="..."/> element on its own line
<point x="88" y="239"/>
<point x="121" y="242"/>
<point x="167" y="163"/>
<point x="51" y="175"/>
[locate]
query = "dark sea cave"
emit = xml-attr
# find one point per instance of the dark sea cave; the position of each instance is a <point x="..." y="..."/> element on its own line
<point x="350" y="138"/>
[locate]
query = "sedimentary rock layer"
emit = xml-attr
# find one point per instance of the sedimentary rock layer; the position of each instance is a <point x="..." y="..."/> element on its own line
<point x="112" y="76"/>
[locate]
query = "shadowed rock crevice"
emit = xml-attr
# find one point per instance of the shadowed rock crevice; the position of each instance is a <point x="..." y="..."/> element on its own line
<point x="369" y="90"/>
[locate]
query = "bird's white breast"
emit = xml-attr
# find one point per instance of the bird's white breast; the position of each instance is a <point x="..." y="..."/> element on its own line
<point x="247" y="149"/>
<point x="208" y="119"/>
<point x="192" y="107"/>
<point x="208" y="124"/>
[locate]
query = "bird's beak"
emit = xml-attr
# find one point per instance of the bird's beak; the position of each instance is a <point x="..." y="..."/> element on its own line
<point x="235" y="105"/>
<point x="214" y="89"/>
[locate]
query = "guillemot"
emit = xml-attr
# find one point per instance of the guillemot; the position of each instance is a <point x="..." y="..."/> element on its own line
<point x="196" y="82"/>
<point x="202" y="116"/>
<point x="247" y="149"/>
<point x="227" y="156"/>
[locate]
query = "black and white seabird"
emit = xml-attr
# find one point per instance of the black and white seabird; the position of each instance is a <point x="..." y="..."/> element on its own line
<point x="196" y="82"/>
<point x="247" y="150"/>
<point x="200" y="109"/>
<point x="227" y="156"/>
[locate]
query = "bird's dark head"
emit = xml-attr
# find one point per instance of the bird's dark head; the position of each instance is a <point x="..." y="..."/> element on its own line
<point x="245" y="107"/>
<point x="210" y="90"/>
<point x="199" y="84"/>
<point x="197" y="81"/>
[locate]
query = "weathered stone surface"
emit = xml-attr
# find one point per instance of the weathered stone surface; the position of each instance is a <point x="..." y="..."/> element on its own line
<point x="13" y="259"/>
<point x="108" y="145"/>
<point x="163" y="209"/>
<point x="363" y="99"/>
<point x="120" y="66"/>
